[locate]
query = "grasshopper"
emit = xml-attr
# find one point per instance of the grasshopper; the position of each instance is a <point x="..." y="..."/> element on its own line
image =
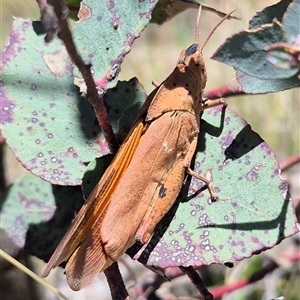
<point x="145" y="177"/>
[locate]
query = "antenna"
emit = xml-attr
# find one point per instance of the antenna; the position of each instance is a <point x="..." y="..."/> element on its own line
<point x="197" y="25"/>
<point x="213" y="30"/>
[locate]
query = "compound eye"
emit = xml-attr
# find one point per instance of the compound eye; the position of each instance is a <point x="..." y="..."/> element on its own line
<point x="191" y="50"/>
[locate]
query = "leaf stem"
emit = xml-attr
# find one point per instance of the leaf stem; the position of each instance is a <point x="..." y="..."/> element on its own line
<point x="116" y="284"/>
<point x="197" y="281"/>
<point x="93" y="95"/>
<point x="289" y="162"/>
<point x="224" y="91"/>
<point x="222" y="290"/>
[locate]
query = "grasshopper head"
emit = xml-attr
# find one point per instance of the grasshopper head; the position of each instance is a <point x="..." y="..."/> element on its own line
<point x="191" y="60"/>
<point x="191" y="63"/>
<point x="182" y="90"/>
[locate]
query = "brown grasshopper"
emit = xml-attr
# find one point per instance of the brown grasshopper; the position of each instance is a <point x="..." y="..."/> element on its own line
<point x="145" y="177"/>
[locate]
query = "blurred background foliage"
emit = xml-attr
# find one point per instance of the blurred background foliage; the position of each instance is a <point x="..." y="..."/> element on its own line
<point x="153" y="56"/>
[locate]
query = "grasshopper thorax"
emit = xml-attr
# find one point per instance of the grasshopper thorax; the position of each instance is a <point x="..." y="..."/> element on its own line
<point x="182" y="90"/>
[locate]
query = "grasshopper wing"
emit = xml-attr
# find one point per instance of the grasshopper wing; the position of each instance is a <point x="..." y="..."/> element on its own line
<point x="83" y="236"/>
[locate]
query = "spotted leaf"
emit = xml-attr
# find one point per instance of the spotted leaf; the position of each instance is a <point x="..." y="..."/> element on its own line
<point x="29" y="216"/>
<point x="253" y="212"/>
<point x="104" y="35"/>
<point x="51" y="129"/>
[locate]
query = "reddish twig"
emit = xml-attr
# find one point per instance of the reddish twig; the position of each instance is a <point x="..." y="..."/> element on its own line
<point x="116" y="284"/>
<point x="198" y="282"/>
<point x="151" y="283"/>
<point x="224" y="91"/>
<point x="93" y="96"/>
<point x="147" y="286"/>
<point x="296" y="257"/>
<point x="289" y="162"/>
<point x="220" y="291"/>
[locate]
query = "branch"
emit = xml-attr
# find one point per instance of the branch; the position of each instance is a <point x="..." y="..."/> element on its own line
<point x="116" y="284"/>
<point x="93" y="96"/>
<point x="224" y="91"/>
<point x="289" y="162"/>
<point x="197" y="281"/>
<point x="220" y="291"/>
<point x="150" y="285"/>
<point x="147" y="286"/>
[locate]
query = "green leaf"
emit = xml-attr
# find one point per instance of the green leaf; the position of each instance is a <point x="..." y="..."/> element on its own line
<point x="165" y="10"/>
<point x="268" y="14"/>
<point x="283" y="59"/>
<point x="73" y="6"/>
<point x="50" y="128"/>
<point x="123" y="103"/>
<point x="94" y="171"/>
<point x="29" y="217"/>
<point x="104" y="35"/>
<point x="246" y="52"/>
<point x="253" y="213"/>
<point x="291" y="22"/>
<point x="286" y="55"/>
<point x="266" y="59"/>
<point x="253" y="85"/>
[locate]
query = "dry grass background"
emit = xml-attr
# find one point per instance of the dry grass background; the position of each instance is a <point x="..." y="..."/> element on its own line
<point x="274" y="116"/>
